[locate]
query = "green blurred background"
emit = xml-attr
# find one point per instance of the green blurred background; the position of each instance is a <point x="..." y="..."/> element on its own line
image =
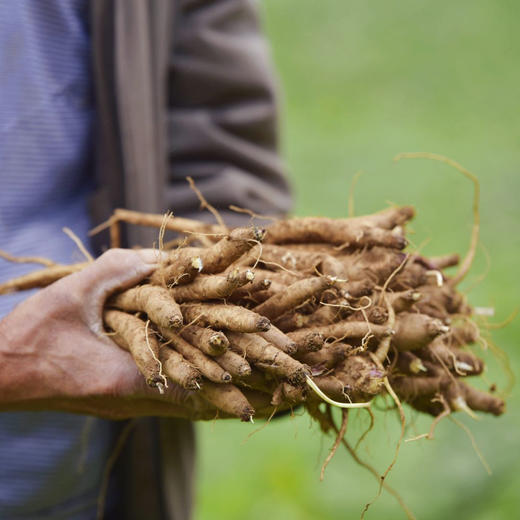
<point x="361" y="82"/>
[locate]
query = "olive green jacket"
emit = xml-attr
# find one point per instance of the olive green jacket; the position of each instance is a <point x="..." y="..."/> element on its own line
<point x="183" y="87"/>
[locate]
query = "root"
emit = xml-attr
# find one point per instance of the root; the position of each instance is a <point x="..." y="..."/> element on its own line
<point x="367" y="431"/>
<point x="229" y="249"/>
<point x="328" y="400"/>
<point x="414" y="330"/>
<point x="252" y="214"/>
<point x="212" y="287"/>
<point x="276" y="337"/>
<point x="211" y="342"/>
<point x="220" y="316"/>
<point x="482" y="276"/>
<point x="296" y="293"/>
<point x="115" y="233"/>
<point x="505" y="362"/>
<point x="156" y="301"/>
<point x="27" y="259"/>
<point x="229" y="399"/>
<point x="442" y="262"/>
<point x="502" y="324"/>
<point x="470" y="255"/>
<point x="162" y="231"/>
<point x="371" y="469"/>
<point x="259" y="429"/>
<point x="392" y="276"/>
<point x="361" y="308"/>
<point x="207" y="366"/>
<point x="358" y="234"/>
<point x="446" y="412"/>
<point x="339" y="437"/>
<point x="204" y="204"/>
<point x="79" y="243"/>
<point x="132" y="335"/>
<point x="384" y="345"/>
<point x="268" y="357"/>
<point x="178" y="224"/>
<point x="164" y="384"/>
<point x="342" y="330"/>
<point x="40" y="278"/>
<point x="473" y="443"/>
<point x="402" y="416"/>
<point x="233" y="363"/>
<point x="178" y="369"/>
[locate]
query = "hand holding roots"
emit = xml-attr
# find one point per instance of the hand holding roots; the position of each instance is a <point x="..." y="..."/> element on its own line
<point x="256" y="318"/>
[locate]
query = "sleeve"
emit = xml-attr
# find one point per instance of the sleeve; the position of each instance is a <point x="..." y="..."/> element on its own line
<point x="222" y="112"/>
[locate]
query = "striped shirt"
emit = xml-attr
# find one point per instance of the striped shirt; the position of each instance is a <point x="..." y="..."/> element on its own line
<point x="51" y="463"/>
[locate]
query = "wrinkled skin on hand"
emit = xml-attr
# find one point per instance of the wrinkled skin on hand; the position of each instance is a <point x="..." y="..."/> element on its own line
<point x="55" y="355"/>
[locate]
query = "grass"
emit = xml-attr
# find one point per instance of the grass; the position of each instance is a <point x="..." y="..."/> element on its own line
<point x="362" y="82"/>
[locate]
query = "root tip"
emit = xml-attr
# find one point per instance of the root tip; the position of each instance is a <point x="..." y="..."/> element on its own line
<point x="176" y="322"/>
<point x="263" y="324"/>
<point x="247" y="415"/>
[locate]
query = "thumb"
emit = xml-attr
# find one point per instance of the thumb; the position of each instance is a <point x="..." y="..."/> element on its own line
<point x="114" y="270"/>
<point x="119" y="268"/>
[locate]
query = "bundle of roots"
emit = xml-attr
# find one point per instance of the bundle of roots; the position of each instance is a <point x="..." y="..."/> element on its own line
<point x="309" y="309"/>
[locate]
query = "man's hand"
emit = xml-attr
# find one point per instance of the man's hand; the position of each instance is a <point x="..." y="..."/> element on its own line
<point x="54" y="354"/>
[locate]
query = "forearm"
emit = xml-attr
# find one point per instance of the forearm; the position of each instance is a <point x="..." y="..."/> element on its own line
<point x="223" y="113"/>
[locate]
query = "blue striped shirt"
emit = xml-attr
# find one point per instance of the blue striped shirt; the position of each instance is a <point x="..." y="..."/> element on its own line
<point x="50" y="463"/>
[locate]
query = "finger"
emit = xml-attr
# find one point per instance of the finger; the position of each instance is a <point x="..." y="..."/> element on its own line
<point x="118" y="268"/>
